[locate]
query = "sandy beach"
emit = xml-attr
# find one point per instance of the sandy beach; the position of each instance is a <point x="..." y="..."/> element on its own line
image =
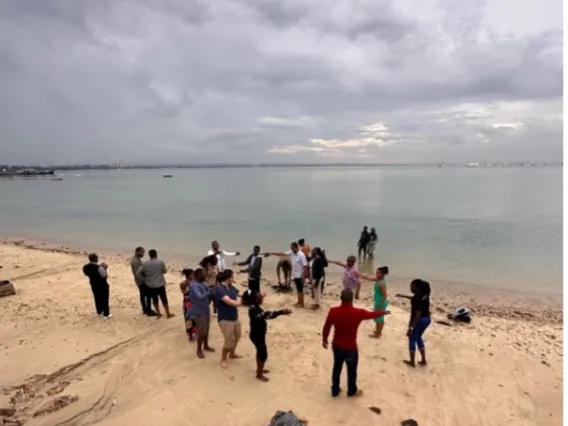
<point x="503" y="368"/>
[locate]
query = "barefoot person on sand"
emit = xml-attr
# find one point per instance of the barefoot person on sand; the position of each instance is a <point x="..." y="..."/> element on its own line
<point x="190" y="328"/>
<point x="380" y="301"/>
<point x="285" y="266"/>
<point x="299" y="269"/>
<point x="200" y="294"/>
<point x="319" y="263"/>
<point x="351" y="276"/>
<point x="99" y="285"/>
<point x="145" y="299"/>
<point x="419" y="319"/>
<point x="228" y="315"/>
<point x="152" y="272"/>
<point x="346" y="320"/>
<point x="258" y="328"/>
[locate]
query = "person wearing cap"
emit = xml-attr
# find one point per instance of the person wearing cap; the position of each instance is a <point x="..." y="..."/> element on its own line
<point x="345" y="319"/>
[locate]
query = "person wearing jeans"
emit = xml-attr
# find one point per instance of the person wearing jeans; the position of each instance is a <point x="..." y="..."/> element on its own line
<point x="419" y="320"/>
<point x="345" y="319"/>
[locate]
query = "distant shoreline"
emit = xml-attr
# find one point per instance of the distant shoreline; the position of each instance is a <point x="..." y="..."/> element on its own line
<point x="82" y="167"/>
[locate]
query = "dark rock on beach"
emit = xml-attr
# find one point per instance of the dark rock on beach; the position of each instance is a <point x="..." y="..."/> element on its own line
<point x="282" y="418"/>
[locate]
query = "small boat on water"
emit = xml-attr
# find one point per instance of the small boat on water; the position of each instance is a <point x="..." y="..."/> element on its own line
<point x="57" y="178"/>
<point x="168" y="176"/>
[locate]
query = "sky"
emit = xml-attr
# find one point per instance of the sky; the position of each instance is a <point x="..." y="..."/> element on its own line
<point x="256" y="81"/>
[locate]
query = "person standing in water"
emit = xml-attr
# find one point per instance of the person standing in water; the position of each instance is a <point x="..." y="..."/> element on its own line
<point x="380" y="301"/>
<point x="419" y="319"/>
<point x="153" y="273"/>
<point x="345" y="319"/>
<point x="98" y="276"/>
<point x="145" y="298"/>
<point x="258" y="328"/>
<point x="363" y="242"/>
<point x="299" y="269"/>
<point x="254" y="269"/>
<point x="221" y="254"/>
<point x="319" y="263"/>
<point x="373" y="239"/>
<point x="351" y="276"/>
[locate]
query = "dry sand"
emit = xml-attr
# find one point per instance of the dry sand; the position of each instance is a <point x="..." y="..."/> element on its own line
<point x="503" y="368"/>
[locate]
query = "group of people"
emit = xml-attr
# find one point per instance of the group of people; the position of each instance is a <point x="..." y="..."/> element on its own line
<point x="213" y="283"/>
<point x="367" y="242"/>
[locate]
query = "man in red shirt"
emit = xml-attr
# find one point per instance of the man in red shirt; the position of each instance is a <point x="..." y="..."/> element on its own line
<point x="346" y="319"/>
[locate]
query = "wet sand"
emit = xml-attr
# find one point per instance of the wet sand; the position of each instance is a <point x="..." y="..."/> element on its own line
<point x="503" y="368"/>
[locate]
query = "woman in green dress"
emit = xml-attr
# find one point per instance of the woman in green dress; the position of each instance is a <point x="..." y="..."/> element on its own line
<point x="379" y="297"/>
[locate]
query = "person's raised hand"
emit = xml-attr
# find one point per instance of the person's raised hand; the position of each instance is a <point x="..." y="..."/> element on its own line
<point x="266" y="254"/>
<point x="387" y="312"/>
<point x="238" y="253"/>
<point x="104" y="265"/>
<point x="287" y="311"/>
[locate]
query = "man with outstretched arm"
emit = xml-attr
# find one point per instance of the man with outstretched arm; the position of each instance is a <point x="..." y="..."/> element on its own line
<point x="346" y="319"/>
<point x="221" y="254"/>
<point x="300" y="271"/>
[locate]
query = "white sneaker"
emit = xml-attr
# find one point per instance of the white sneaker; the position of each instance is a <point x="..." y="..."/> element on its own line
<point x="108" y="316"/>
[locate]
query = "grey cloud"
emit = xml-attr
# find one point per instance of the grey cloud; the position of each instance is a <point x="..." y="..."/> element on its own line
<point x="223" y="81"/>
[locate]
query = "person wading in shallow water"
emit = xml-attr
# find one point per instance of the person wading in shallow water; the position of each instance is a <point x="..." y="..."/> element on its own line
<point x="99" y="285"/>
<point x="145" y="298"/>
<point x="419" y="319"/>
<point x="345" y="319"/>
<point x="363" y="242"/>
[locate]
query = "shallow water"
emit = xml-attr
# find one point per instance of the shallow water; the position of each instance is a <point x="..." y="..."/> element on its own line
<point x="499" y="227"/>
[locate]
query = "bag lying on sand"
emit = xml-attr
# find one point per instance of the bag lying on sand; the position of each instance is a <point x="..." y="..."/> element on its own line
<point x="461" y="314"/>
<point x="286" y="419"/>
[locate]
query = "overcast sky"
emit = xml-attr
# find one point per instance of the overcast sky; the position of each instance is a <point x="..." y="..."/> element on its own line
<point x="154" y="81"/>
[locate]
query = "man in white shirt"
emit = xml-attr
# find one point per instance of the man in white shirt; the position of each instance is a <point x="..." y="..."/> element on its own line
<point x="299" y="269"/>
<point x="216" y="250"/>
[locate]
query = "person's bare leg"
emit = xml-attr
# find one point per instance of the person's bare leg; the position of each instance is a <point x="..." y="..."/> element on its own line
<point x="423" y="356"/>
<point x="357" y="291"/>
<point x="168" y="313"/>
<point x="412" y="361"/>
<point x="233" y="354"/>
<point x="200" y="353"/>
<point x="206" y="344"/>
<point x="300" y="303"/>
<point x="260" y="372"/>
<point x="224" y="354"/>
<point x="157" y="309"/>
<point x="278" y="275"/>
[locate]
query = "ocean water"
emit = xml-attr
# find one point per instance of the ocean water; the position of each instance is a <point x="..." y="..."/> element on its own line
<point x="496" y="227"/>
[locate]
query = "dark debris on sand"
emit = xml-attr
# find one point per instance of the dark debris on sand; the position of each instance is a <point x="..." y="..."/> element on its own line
<point x="288" y="418"/>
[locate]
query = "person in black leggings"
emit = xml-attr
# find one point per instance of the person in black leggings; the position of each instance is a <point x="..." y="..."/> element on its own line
<point x="258" y="328"/>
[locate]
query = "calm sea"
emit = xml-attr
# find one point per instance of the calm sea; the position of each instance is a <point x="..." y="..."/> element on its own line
<point x="499" y="227"/>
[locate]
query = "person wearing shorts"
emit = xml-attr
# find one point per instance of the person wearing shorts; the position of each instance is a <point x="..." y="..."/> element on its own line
<point x="228" y="315"/>
<point x="300" y="271"/>
<point x="200" y="294"/>
<point x="152" y="272"/>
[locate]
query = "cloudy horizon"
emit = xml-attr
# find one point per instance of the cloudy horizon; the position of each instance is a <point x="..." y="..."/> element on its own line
<point x="258" y="81"/>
